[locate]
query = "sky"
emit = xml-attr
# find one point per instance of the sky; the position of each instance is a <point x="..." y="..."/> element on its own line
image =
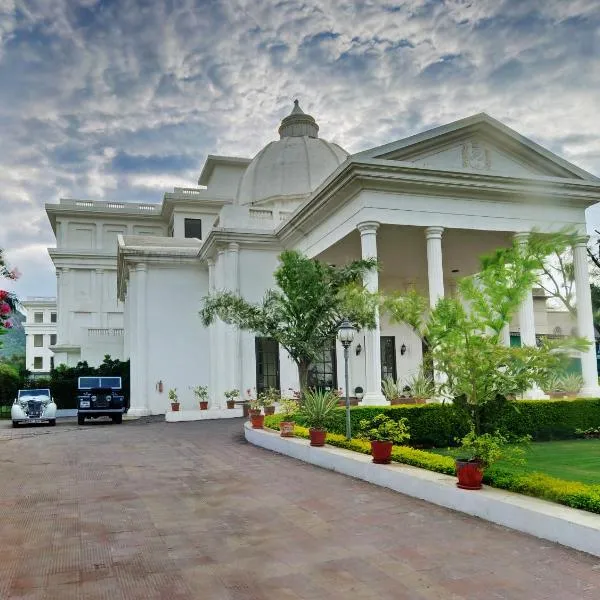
<point x="123" y="99"/>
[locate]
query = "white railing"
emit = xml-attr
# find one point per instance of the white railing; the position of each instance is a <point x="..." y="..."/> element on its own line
<point x="189" y="191"/>
<point x="284" y="215"/>
<point x="84" y="203"/>
<point x="102" y="331"/>
<point x="103" y="204"/>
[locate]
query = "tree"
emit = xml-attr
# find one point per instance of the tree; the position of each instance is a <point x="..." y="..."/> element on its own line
<point x="304" y="313"/>
<point x="465" y="333"/>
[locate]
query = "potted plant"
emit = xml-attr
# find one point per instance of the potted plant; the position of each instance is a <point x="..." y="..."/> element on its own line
<point x="383" y="432"/>
<point x="201" y="393"/>
<point x="421" y="387"/>
<point x="230" y="397"/>
<point x="476" y="453"/>
<point x="318" y="408"/>
<point x="174" y="399"/>
<point x="268" y="399"/>
<point x="256" y="418"/>
<point x="289" y="407"/>
<point x="571" y="384"/>
<point x="359" y="392"/>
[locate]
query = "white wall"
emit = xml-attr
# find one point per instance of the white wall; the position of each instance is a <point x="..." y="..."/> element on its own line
<point x="177" y="344"/>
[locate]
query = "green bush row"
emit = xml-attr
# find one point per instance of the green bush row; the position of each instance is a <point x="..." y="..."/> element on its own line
<point x="437" y="425"/>
<point x="569" y="493"/>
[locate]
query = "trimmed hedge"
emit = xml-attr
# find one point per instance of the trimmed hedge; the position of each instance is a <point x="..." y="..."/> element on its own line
<point x="569" y="493"/>
<point x="437" y="425"/>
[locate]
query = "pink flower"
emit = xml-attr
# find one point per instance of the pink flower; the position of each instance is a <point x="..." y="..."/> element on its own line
<point x="4" y="308"/>
<point x="14" y="274"/>
<point x="7" y="324"/>
<point x="3" y="295"/>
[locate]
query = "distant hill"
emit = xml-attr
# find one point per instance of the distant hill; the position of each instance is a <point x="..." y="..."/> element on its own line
<point x="13" y="341"/>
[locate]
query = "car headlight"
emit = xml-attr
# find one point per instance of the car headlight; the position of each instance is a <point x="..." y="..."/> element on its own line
<point x="108" y="398"/>
<point x="84" y="404"/>
<point x="93" y="398"/>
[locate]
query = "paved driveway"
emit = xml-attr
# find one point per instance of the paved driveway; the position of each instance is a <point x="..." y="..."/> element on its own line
<point x="180" y="511"/>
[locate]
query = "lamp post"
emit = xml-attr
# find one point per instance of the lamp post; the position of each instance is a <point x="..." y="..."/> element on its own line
<point x="346" y="336"/>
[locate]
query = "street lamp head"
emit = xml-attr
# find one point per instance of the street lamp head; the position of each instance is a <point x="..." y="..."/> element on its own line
<point x="346" y="333"/>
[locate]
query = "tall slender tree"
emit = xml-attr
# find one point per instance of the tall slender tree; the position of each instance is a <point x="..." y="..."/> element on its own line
<point x="305" y="310"/>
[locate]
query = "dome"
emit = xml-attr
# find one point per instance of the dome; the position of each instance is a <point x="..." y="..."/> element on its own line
<point x="294" y="165"/>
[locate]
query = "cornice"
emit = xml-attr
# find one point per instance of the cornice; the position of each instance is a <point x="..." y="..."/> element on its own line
<point x="221" y="238"/>
<point x="394" y="176"/>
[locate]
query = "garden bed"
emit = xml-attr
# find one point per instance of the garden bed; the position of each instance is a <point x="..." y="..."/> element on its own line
<point x="569" y="493"/>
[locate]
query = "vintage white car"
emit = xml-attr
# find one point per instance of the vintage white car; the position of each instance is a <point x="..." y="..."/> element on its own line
<point x="33" y="406"/>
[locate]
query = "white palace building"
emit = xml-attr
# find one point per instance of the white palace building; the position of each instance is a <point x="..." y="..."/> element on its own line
<point x="131" y="277"/>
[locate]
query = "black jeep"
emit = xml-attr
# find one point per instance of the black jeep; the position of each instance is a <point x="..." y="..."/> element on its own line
<point x="100" y="397"/>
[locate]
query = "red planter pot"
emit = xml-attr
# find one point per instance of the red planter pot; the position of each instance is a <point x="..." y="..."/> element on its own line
<point x="381" y="452"/>
<point x="317" y="437"/>
<point x="175" y="406"/>
<point x="470" y="474"/>
<point x="286" y="428"/>
<point x="204" y="405"/>
<point x="258" y="421"/>
<point x="231" y="404"/>
<point x="269" y="410"/>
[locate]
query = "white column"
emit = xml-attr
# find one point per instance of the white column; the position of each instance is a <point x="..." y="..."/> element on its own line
<point x="585" y="321"/>
<point x="435" y="269"/>
<point x="139" y="366"/>
<point x="234" y="332"/>
<point x="222" y="344"/>
<point x="373" y="395"/>
<point x="213" y="354"/>
<point x="435" y="276"/>
<point x="527" y="325"/>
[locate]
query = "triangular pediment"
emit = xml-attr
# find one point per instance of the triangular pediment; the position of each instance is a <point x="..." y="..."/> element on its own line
<point x="482" y="145"/>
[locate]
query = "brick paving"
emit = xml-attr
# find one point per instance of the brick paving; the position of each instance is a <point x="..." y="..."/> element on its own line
<point x="190" y="511"/>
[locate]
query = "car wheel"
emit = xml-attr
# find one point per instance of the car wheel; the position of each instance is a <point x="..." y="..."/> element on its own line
<point x="52" y="422"/>
<point x="15" y="424"/>
<point x="117" y="419"/>
<point x="80" y="420"/>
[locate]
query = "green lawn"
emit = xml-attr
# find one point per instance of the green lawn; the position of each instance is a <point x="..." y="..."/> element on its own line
<point x="573" y="460"/>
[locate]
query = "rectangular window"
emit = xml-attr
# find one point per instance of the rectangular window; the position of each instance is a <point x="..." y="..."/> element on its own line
<point x="38" y="340"/>
<point x="322" y="373"/>
<point x="38" y="317"/>
<point x="53" y="317"/>
<point x="38" y="362"/>
<point x="53" y="339"/>
<point x="51" y="362"/>
<point x="193" y="228"/>
<point x="387" y="345"/>
<point x="267" y="364"/>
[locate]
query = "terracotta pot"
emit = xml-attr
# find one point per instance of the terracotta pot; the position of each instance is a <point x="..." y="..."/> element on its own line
<point x="254" y="412"/>
<point x="269" y="410"/>
<point x="204" y="405"/>
<point x="257" y="421"/>
<point x="317" y="437"/>
<point x="470" y="474"/>
<point x="230" y="403"/>
<point x="175" y="406"/>
<point x="381" y="452"/>
<point x="286" y="428"/>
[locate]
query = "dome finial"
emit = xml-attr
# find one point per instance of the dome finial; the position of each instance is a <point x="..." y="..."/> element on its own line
<point x="298" y="124"/>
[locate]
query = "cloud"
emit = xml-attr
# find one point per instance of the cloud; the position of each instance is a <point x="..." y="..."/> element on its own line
<point x="122" y="99"/>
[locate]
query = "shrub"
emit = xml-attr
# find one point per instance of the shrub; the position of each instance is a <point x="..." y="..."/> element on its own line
<point x="438" y="425"/>
<point x="318" y="408"/>
<point x="9" y="384"/>
<point x="568" y="493"/>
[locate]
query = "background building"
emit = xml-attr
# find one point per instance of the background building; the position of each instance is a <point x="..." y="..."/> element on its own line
<point x="40" y="334"/>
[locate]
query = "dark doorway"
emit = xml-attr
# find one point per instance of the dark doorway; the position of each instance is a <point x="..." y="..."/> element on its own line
<point x="387" y="344"/>
<point x="322" y="373"/>
<point x="267" y="364"/>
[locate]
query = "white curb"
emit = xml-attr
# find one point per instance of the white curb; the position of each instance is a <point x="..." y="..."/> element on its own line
<point x="201" y="415"/>
<point x="568" y="526"/>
